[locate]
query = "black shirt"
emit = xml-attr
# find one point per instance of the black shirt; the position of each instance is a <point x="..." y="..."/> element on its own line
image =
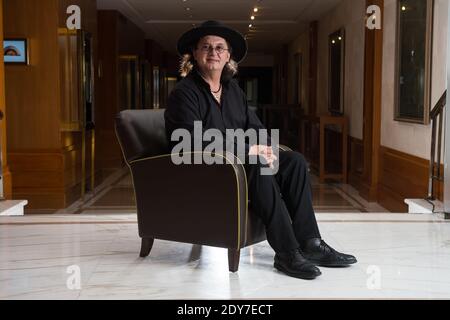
<point x="191" y="100"/>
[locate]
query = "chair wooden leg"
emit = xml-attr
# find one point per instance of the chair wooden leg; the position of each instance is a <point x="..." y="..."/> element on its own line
<point x="233" y="259"/>
<point x="146" y="247"/>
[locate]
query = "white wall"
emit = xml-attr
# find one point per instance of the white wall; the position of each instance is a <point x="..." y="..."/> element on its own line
<point x="410" y="138"/>
<point x="350" y="15"/>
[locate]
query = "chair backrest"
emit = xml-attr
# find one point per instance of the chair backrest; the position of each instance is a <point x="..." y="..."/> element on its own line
<point x="141" y="133"/>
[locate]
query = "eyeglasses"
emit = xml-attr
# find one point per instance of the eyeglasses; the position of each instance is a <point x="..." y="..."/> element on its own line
<point x="207" y="48"/>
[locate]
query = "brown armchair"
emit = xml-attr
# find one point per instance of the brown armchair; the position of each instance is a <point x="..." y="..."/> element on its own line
<point x="198" y="204"/>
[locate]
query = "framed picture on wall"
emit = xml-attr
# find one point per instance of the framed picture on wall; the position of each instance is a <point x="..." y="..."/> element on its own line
<point x="15" y="51"/>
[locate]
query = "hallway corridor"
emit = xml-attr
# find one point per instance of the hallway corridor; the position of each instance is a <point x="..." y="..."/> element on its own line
<point x="94" y="90"/>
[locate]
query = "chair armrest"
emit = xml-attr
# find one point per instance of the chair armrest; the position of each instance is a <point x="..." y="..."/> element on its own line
<point x="284" y="148"/>
<point x="202" y="204"/>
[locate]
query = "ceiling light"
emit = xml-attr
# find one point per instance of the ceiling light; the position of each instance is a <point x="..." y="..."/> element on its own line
<point x="403" y="8"/>
<point x="252" y="17"/>
<point x="255" y="9"/>
<point x="188" y="9"/>
<point x="250" y="25"/>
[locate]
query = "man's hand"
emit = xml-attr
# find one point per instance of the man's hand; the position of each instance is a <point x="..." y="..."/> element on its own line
<point x="264" y="151"/>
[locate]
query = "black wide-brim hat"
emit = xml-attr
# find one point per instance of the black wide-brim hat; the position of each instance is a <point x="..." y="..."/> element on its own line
<point x="214" y="28"/>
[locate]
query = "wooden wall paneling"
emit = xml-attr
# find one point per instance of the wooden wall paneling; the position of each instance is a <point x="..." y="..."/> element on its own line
<point x="36" y="160"/>
<point x="69" y="104"/>
<point x="372" y="107"/>
<point x="6" y="181"/>
<point x="33" y="97"/>
<point x="50" y="180"/>
<point x="402" y="176"/>
<point x="390" y="200"/>
<point x="32" y="92"/>
<point x="38" y="178"/>
<point x="356" y="162"/>
<point x="44" y="95"/>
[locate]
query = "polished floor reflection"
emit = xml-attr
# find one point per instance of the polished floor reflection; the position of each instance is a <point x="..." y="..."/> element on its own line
<point x="400" y="255"/>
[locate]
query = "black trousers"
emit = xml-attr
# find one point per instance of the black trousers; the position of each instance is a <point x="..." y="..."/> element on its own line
<point x="284" y="201"/>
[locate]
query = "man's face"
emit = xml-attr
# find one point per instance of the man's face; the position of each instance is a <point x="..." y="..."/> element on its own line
<point x="212" y="53"/>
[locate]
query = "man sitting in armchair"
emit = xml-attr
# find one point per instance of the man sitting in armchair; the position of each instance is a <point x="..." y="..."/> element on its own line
<point x="282" y="201"/>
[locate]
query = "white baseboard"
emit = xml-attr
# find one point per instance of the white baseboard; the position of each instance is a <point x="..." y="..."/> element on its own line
<point x="421" y="206"/>
<point x="12" y="207"/>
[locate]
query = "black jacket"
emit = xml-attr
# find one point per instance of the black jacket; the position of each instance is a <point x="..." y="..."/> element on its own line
<point x="191" y="100"/>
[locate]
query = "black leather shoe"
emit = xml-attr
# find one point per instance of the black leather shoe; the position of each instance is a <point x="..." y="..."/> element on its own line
<point x="321" y="254"/>
<point x="295" y="265"/>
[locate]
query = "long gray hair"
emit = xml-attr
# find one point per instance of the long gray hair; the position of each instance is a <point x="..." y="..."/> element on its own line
<point x="188" y="63"/>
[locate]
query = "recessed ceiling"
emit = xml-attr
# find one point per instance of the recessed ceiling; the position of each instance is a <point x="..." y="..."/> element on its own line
<point x="277" y="22"/>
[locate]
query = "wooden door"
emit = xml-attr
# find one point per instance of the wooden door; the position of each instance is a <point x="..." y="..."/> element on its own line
<point x="372" y="108"/>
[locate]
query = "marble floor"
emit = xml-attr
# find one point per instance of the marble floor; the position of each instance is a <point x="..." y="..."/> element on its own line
<point x="94" y="255"/>
<point x="400" y="257"/>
